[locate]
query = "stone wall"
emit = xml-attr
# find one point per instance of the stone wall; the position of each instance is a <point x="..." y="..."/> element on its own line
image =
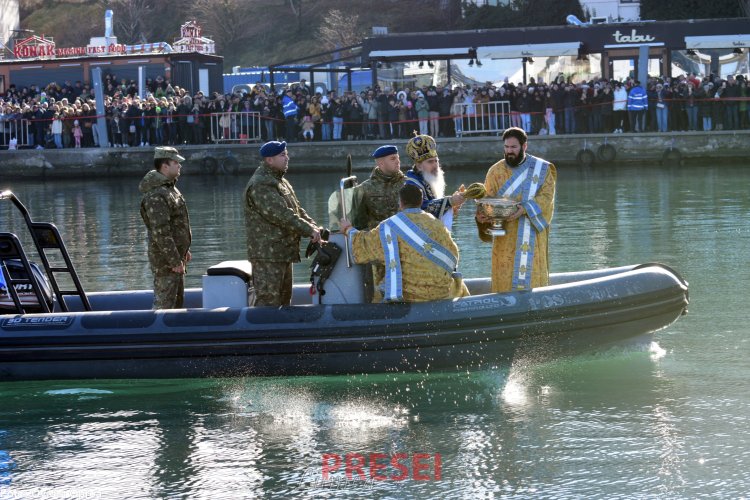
<point x="598" y="151"/>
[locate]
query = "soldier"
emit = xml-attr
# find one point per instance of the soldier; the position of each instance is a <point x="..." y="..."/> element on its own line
<point x="418" y="251"/>
<point x="429" y="177"/>
<point x="275" y="223"/>
<point x="165" y="214"/>
<point x="376" y="199"/>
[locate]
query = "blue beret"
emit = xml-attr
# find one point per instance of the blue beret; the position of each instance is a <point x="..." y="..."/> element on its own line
<point x="272" y="148"/>
<point x="386" y="150"/>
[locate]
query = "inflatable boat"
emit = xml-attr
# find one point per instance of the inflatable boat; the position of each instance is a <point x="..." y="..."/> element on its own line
<point x="70" y="334"/>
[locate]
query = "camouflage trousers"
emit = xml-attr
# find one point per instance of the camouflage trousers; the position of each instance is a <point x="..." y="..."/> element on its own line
<point x="272" y="282"/>
<point x="169" y="290"/>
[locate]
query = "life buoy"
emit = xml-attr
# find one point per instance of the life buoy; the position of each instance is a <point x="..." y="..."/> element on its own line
<point x="209" y="165"/>
<point x="231" y="165"/>
<point x="586" y="157"/>
<point x="671" y="156"/>
<point x="606" y="153"/>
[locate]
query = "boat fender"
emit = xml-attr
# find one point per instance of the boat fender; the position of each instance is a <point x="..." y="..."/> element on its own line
<point x="209" y="165"/>
<point x="586" y="157"/>
<point x="671" y="156"/>
<point x="606" y="153"/>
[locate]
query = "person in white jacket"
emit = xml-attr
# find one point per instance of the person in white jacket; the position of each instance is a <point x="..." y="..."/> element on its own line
<point x="57" y="128"/>
<point x="619" y="107"/>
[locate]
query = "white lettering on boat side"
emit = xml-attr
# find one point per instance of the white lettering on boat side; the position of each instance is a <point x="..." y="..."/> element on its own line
<point x="483" y="303"/>
<point x="36" y="322"/>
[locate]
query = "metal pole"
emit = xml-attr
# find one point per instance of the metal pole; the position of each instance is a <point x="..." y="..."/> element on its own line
<point x="101" y="118"/>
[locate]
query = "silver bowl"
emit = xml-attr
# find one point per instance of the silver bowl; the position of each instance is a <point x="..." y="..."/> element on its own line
<point x="498" y="209"/>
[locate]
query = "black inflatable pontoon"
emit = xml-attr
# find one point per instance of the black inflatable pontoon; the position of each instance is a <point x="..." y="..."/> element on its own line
<point x="116" y="335"/>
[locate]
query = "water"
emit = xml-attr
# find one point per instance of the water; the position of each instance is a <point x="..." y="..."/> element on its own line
<point x="668" y="421"/>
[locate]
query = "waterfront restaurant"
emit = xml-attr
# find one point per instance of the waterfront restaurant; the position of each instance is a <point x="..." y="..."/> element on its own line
<point x="190" y="62"/>
<point x="583" y="52"/>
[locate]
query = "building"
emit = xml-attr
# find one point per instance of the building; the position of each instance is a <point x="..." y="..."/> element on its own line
<point x="578" y="52"/>
<point x="612" y="10"/>
<point x="9" y="21"/>
<point x="189" y="62"/>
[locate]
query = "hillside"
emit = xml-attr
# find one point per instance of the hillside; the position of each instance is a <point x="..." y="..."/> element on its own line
<point x="261" y="32"/>
<point x="247" y="32"/>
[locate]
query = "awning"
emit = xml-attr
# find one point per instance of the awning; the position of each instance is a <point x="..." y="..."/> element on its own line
<point x="529" y="50"/>
<point x="493" y="52"/>
<point x="443" y="53"/>
<point x="717" y="42"/>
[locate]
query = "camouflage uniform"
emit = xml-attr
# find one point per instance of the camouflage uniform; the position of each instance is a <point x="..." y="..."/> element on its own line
<point x="275" y="222"/>
<point x="376" y="199"/>
<point x="165" y="214"/>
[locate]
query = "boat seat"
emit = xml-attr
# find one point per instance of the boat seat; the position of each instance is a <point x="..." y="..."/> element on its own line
<point x="228" y="284"/>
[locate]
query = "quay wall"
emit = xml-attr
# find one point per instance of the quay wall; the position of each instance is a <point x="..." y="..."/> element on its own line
<point x="594" y="150"/>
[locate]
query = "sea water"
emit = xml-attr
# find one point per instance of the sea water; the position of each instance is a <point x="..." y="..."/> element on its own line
<point x="667" y="419"/>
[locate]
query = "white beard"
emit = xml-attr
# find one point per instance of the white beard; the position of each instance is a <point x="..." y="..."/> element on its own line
<point x="436" y="182"/>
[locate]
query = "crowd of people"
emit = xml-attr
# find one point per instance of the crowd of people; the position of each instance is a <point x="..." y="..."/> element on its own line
<point x="64" y="115"/>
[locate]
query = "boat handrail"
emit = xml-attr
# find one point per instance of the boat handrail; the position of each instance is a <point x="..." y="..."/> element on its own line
<point x="346" y="183"/>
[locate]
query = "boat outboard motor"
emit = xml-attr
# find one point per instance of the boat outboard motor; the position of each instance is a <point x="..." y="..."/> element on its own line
<point x="25" y="290"/>
<point x="327" y="254"/>
<point x="341" y="284"/>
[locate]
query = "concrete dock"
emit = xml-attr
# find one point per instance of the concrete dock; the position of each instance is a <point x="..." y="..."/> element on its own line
<point x="594" y="150"/>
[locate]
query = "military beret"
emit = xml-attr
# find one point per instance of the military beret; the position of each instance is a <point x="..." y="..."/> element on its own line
<point x="272" y="148"/>
<point x="385" y="151"/>
<point x="167" y="152"/>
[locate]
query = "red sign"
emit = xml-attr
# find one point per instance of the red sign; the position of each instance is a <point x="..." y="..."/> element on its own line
<point x="382" y="467"/>
<point x="35" y="47"/>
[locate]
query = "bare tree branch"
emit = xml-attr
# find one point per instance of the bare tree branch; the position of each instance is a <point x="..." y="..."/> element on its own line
<point x="228" y="22"/>
<point x="131" y="20"/>
<point x="339" y="30"/>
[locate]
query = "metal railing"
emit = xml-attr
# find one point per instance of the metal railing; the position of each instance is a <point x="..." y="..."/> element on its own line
<point x="481" y="118"/>
<point x="241" y="127"/>
<point x="14" y="133"/>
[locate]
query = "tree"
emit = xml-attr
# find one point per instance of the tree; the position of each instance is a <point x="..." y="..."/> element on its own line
<point x="521" y="13"/>
<point x="228" y="22"/>
<point x="132" y="20"/>
<point x="339" y="30"/>
<point x="299" y="8"/>
<point x="690" y="9"/>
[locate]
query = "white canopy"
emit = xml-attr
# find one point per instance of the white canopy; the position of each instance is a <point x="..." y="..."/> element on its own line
<point x="493" y="52"/>
<point x="717" y="42"/>
<point x="529" y="50"/>
<point x="443" y="53"/>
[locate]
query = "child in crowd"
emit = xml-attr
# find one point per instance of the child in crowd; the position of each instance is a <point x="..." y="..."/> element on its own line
<point x="116" y="131"/>
<point x="308" y="128"/>
<point x="77" y="133"/>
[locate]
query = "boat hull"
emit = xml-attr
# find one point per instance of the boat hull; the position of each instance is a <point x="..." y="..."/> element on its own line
<point x="476" y="332"/>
